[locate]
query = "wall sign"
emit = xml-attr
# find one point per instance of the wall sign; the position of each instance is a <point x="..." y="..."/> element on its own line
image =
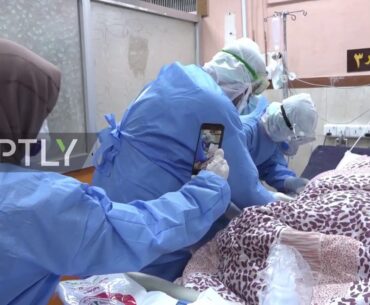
<point x="358" y="60"/>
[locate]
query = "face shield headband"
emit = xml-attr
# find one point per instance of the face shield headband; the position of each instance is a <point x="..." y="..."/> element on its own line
<point x="298" y="139"/>
<point x="262" y="83"/>
<point x="286" y="120"/>
<point x="288" y="124"/>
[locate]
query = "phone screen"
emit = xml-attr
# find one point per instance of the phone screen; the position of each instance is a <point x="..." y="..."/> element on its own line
<point x="209" y="140"/>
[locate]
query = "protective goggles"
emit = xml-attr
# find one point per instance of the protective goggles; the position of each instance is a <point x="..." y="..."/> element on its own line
<point x="260" y="83"/>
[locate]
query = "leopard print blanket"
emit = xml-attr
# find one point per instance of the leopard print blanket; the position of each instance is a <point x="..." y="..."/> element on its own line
<point x="329" y="223"/>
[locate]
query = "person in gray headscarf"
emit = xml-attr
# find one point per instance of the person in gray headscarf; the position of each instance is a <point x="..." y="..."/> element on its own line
<point x="53" y="225"/>
<point x="29" y="91"/>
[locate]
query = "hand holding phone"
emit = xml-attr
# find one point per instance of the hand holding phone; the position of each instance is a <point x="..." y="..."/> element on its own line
<point x="218" y="164"/>
<point x="209" y="140"/>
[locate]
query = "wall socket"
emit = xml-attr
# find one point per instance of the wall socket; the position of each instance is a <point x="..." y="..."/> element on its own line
<point x="348" y="131"/>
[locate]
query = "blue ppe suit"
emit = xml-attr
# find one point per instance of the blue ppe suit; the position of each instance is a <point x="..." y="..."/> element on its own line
<point x="151" y="151"/>
<point x="53" y="225"/>
<point x="266" y="154"/>
<point x="252" y="103"/>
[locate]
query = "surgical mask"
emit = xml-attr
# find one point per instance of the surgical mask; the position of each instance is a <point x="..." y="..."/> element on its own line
<point x="242" y="101"/>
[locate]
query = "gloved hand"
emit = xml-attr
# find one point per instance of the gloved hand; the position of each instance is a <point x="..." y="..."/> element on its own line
<point x="218" y="164"/>
<point x="281" y="197"/>
<point x="295" y="184"/>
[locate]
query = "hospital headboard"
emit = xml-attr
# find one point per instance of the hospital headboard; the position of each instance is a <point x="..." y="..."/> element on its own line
<point x="129" y="48"/>
<point x="325" y="158"/>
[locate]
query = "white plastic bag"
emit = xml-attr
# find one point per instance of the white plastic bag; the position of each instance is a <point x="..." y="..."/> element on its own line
<point x="211" y="297"/>
<point x="111" y="289"/>
<point x="119" y="289"/>
<point x="288" y="278"/>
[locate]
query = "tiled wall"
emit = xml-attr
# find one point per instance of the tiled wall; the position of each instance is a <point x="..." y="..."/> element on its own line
<point x="336" y="106"/>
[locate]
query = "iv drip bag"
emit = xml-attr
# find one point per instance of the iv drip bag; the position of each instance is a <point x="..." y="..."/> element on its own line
<point x="276" y="33"/>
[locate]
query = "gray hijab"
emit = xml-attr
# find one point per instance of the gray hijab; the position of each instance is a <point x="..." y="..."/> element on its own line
<point x="29" y="88"/>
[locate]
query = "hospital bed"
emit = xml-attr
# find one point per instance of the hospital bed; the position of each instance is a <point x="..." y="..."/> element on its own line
<point x="322" y="159"/>
<point x="325" y="158"/>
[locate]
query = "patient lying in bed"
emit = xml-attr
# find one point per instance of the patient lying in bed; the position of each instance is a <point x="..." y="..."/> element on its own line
<point x="328" y="223"/>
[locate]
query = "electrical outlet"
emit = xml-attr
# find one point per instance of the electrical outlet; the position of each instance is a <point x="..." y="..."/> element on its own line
<point x="330" y="130"/>
<point x="341" y="130"/>
<point x="349" y="131"/>
<point x="353" y="131"/>
<point x="367" y="130"/>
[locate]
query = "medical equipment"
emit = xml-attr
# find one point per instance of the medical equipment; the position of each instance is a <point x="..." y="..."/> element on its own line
<point x="324" y="158"/>
<point x="279" y="21"/>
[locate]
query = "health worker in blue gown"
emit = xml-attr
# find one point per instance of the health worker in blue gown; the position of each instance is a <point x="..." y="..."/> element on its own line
<point x="52" y="225"/>
<point x="151" y="150"/>
<point x="277" y="130"/>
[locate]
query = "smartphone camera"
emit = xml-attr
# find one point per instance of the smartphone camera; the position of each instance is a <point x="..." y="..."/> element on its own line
<point x="209" y="140"/>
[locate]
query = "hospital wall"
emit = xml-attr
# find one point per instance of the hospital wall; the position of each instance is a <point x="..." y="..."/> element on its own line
<point x="213" y="26"/>
<point x="317" y="47"/>
<point x="317" y="43"/>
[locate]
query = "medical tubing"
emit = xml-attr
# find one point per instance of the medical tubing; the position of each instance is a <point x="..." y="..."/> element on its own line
<point x="328" y="86"/>
<point x="358" y="139"/>
<point x="153" y="283"/>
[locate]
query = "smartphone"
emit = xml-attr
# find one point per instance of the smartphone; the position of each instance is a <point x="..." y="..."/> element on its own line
<point x="209" y="140"/>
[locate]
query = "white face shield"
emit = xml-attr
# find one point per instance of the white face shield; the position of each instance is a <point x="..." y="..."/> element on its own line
<point x="242" y="101"/>
<point x="259" y="82"/>
<point x="294" y="121"/>
<point x="239" y="69"/>
<point x="261" y="85"/>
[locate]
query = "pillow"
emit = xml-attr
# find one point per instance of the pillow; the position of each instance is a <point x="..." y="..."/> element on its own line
<point x="352" y="161"/>
<point x="349" y="157"/>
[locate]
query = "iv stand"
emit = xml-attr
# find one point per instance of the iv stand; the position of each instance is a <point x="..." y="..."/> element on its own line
<point x="284" y="15"/>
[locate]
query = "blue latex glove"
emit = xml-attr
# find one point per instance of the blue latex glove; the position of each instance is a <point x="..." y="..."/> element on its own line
<point x="281" y="197"/>
<point x="295" y="184"/>
<point x="218" y="165"/>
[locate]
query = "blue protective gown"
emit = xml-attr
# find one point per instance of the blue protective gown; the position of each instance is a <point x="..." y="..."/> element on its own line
<point x="53" y="225"/>
<point x="252" y="104"/>
<point x="151" y="151"/>
<point x="266" y="154"/>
